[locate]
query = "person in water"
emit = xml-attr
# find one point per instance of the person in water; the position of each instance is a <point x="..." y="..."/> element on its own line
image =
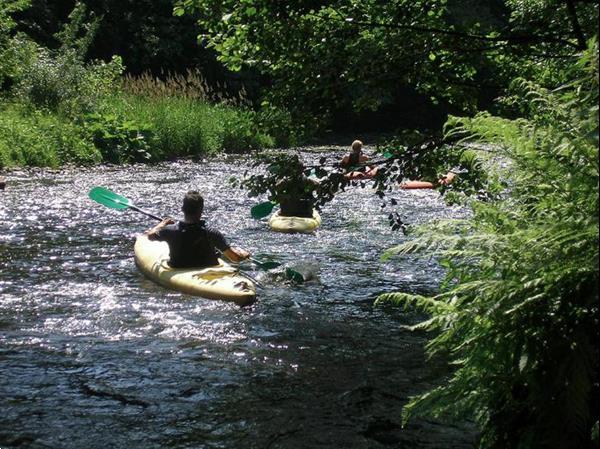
<point x="351" y="163"/>
<point x="192" y="244"/>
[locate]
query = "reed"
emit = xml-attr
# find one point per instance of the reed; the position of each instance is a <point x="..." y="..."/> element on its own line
<point x="192" y="85"/>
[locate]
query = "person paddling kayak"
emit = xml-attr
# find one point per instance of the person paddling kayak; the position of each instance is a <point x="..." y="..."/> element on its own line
<point x="351" y="161"/>
<point x="192" y="244"/>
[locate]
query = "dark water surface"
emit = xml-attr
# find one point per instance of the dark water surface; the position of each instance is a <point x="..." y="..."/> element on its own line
<point x="93" y="355"/>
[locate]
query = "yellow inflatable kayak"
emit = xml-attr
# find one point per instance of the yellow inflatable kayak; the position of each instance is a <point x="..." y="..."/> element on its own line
<point x="294" y="224"/>
<point x="219" y="282"/>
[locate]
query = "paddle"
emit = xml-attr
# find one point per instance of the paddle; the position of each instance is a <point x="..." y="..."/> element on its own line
<point x="265" y="265"/>
<point x="262" y="210"/>
<point x="113" y="200"/>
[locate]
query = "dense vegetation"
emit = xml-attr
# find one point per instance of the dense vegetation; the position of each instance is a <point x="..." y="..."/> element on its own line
<point x="58" y="106"/>
<point x="514" y="81"/>
<point x="518" y="312"/>
<point x="331" y="59"/>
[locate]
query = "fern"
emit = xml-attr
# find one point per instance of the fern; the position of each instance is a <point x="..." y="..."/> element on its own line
<point x="517" y="312"/>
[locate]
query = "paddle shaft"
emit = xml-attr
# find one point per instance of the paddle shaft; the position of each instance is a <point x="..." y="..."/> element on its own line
<point x="142" y="211"/>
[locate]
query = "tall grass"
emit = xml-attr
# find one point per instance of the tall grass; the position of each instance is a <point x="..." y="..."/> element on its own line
<point x="188" y="117"/>
<point x="191" y="85"/>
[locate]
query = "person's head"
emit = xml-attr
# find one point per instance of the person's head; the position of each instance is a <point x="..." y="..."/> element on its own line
<point x="357" y="146"/>
<point x="193" y="204"/>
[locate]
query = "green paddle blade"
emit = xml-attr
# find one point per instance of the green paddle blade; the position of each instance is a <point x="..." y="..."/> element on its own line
<point x="268" y="265"/>
<point x="109" y="198"/>
<point x="262" y="210"/>
<point x="387" y="155"/>
<point x="293" y="275"/>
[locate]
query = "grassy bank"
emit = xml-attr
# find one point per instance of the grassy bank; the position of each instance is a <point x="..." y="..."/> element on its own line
<point x="42" y="139"/>
<point x="184" y="127"/>
<point x="125" y="128"/>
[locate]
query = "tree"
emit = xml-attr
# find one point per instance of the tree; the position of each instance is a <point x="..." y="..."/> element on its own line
<point x="15" y="49"/>
<point x="324" y="57"/>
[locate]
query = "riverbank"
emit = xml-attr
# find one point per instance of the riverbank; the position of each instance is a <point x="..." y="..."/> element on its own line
<point x="126" y="129"/>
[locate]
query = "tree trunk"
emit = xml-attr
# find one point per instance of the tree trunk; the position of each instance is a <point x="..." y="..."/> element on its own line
<point x="576" y="26"/>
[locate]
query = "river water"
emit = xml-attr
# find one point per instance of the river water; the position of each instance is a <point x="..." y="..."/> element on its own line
<point x="93" y="355"/>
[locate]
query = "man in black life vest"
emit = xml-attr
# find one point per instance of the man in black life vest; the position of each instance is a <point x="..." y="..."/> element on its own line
<point x="192" y="244"/>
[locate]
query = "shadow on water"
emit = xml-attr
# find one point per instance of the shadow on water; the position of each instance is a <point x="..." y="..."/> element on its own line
<point x="94" y="355"/>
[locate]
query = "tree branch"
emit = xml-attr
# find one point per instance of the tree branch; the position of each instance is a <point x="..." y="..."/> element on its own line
<point x="513" y="39"/>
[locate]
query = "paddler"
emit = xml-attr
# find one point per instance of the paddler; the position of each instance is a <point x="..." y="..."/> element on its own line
<point x="352" y="161"/>
<point x="294" y="192"/>
<point x="192" y="244"/>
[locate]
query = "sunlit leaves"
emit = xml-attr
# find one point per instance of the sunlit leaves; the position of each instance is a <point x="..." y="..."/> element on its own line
<point x="521" y="290"/>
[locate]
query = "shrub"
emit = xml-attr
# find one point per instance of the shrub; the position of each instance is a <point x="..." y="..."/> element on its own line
<point x="278" y="124"/>
<point x="42" y="140"/>
<point x="64" y="84"/>
<point x="15" y="50"/>
<point x="518" y="312"/>
<point x="119" y="140"/>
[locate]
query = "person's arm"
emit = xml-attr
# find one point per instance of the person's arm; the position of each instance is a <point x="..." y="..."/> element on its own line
<point x="220" y="243"/>
<point x="152" y="233"/>
<point x="448" y="179"/>
<point x="236" y="255"/>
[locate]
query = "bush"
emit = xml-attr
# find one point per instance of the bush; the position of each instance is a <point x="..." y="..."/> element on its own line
<point x="42" y="140"/>
<point x="15" y="50"/>
<point x="65" y="85"/>
<point x="278" y="124"/>
<point x="518" y="312"/>
<point x="119" y="140"/>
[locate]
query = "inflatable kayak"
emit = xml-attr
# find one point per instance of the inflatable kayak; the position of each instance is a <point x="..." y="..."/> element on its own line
<point x="412" y="185"/>
<point x="219" y="282"/>
<point x="294" y="224"/>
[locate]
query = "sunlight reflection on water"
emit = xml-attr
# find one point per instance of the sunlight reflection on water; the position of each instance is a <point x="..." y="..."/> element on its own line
<point x="95" y="352"/>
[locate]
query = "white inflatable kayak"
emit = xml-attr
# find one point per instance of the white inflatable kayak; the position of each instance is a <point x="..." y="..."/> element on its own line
<point x="294" y="224"/>
<point x="219" y="282"/>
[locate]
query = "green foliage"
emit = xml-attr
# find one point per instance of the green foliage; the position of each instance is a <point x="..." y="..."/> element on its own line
<point x="283" y="173"/>
<point x="119" y="140"/>
<point x="184" y="127"/>
<point x="364" y="54"/>
<point x="518" y="311"/>
<point x="15" y="49"/>
<point x="42" y="140"/>
<point x="66" y="85"/>
<point x="78" y="33"/>
<point x="279" y="124"/>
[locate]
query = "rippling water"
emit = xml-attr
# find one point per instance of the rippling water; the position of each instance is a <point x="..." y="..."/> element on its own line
<point x="93" y="355"/>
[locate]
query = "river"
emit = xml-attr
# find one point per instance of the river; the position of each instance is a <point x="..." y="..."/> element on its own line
<point x="93" y="355"/>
